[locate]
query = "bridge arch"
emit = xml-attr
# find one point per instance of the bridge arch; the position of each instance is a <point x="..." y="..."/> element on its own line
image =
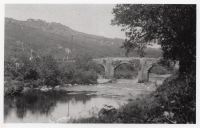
<point x="151" y="66"/>
<point x="146" y="66"/>
<point x="100" y="69"/>
<point x="111" y="64"/>
<point x="159" y="69"/>
<point x="149" y="69"/>
<point x="125" y="70"/>
<point x="122" y="63"/>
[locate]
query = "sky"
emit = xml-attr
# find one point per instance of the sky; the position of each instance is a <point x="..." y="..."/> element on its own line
<point x="92" y="19"/>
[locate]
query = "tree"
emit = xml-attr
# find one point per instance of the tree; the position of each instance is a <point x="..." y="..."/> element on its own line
<point x="82" y="61"/>
<point x="173" y="25"/>
<point x="49" y="71"/>
<point x="175" y="28"/>
<point x="135" y="41"/>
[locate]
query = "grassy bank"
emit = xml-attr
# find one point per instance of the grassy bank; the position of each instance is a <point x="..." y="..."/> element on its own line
<point x="172" y="102"/>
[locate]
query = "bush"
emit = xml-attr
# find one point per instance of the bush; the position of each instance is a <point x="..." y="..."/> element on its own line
<point x="177" y="94"/>
<point x="13" y="87"/>
<point x="46" y="70"/>
<point x="84" y="77"/>
<point x="67" y="71"/>
<point x="83" y="71"/>
<point x="31" y="74"/>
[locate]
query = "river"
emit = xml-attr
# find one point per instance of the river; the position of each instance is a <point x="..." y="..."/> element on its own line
<point x="72" y="102"/>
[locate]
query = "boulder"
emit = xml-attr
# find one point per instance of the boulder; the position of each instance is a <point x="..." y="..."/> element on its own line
<point x="44" y="89"/>
<point x="107" y="113"/>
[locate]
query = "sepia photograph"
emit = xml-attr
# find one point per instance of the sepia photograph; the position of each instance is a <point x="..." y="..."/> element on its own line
<point x="100" y="63"/>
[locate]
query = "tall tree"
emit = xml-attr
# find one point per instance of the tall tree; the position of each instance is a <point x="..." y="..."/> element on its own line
<point x="173" y="25"/>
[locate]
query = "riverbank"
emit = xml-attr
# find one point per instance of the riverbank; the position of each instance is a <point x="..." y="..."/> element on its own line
<point x="119" y="88"/>
<point x="172" y="102"/>
<point x="93" y="97"/>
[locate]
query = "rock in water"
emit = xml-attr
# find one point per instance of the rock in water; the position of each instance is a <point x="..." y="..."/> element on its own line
<point x="103" y="81"/>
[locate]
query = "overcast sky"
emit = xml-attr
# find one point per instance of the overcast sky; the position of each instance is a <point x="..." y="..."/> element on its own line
<point x="91" y="19"/>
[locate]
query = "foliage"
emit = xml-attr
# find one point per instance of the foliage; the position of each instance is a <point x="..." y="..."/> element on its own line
<point x="173" y="25"/>
<point x="67" y="71"/>
<point x="82" y="61"/>
<point x="13" y="87"/>
<point x="49" y="71"/>
<point x="136" y="41"/>
<point x="177" y="95"/>
<point x="84" y="77"/>
<point x="45" y="70"/>
<point x="85" y="70"/>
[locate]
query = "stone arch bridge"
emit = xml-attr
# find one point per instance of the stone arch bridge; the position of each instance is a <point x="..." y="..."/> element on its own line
<point x="111" y="63"/>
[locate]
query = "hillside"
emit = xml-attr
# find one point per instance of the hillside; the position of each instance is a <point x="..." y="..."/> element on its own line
<point x="56" y="39"/>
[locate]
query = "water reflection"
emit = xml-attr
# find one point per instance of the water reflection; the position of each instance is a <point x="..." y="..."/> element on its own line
<point x="37" y="106"/>
<point x="40" y="102"/>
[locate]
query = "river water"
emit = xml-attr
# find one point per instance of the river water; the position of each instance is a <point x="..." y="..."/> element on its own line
<point x="76" y="102"/>
<point x="54" y="106"/>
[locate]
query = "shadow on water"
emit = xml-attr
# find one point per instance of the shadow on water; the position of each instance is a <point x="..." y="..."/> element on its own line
<point x="41" y="103"/>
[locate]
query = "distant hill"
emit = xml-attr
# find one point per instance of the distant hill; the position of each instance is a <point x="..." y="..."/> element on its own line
<point x="56" y="39"/>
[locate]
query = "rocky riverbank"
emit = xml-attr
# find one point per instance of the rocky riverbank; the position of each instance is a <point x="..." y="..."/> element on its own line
<point x="14" y="87"/>
<point x="127" y="88"/>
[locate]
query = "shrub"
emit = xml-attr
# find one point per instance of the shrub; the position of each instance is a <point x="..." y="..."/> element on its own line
<point x="13" y="87"/>
<point x="46" y="70"/>
<point x="67" y="71"/>
<point x="49" y="71"/>
<point x="31" y="74"/>
<point x="85" y="77"/>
